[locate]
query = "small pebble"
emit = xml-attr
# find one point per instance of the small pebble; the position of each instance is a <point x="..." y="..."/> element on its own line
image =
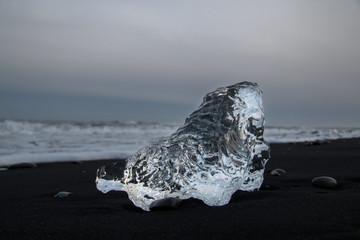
<point x="77" y="162"/>
<point x="324" y="182"/>
<point x="62" y="194"/>
<point x="278" y="172"/>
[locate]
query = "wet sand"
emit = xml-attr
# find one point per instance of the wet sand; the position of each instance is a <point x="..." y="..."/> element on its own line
<point x="286" y="207"/>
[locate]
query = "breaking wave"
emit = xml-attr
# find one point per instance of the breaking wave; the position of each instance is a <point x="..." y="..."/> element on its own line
<point x="49" y="141"/>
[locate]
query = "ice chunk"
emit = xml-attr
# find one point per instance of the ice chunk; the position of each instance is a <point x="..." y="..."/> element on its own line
<point x="219" y="150"/>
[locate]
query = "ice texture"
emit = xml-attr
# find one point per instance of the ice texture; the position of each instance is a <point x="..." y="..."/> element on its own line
<point x="219" y="150"/>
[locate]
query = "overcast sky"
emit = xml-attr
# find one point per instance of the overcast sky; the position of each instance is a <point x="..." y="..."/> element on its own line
<point x="155" y="60"/>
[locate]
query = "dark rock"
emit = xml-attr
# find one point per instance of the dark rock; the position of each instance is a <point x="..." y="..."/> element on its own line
<point x="62" y="194"/>
<point x="269" y="188"/>
<point x="278" y="172"/>
<point x="324" y="182"/>
<point x="23" y="165"/>
<point x="316" y="143"/>
<point x="77" y="162"/>
<point x="34" y="143"/>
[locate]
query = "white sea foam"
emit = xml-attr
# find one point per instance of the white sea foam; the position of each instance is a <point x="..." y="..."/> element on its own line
<point x="303" y="134"/>
<point x="42" y="141"/>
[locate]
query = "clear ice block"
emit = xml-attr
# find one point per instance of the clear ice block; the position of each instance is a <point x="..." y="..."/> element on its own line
<point x="219" y="150"/>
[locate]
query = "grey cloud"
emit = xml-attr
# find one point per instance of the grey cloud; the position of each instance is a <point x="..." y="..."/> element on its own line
<point x="304" y="54"/>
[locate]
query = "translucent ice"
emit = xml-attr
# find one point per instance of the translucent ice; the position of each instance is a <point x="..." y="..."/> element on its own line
<point x="219" y="150"/>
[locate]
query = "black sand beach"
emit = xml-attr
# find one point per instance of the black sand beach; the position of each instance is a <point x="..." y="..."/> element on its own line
<point x="286" y="207"/>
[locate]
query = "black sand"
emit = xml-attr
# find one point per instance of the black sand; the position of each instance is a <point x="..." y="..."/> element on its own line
<point x="286" y="207"/>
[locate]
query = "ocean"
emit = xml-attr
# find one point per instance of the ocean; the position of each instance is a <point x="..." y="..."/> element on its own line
<point x="51" y="141"/>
